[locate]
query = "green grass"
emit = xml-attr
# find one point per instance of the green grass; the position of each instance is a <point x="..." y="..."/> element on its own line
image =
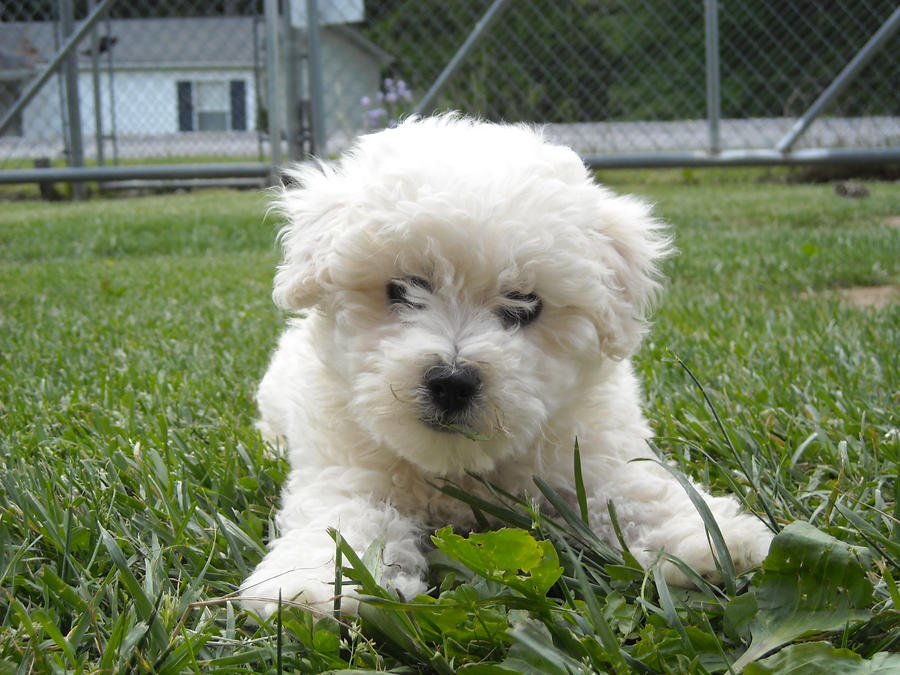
<point x="135" y="493"/>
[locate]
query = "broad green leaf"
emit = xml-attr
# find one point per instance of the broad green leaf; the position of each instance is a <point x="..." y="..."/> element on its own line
<point x="533" y="651"/>
<point x="486" y="669"/>
<point x="810" y="582"/>
<point x="327" y="641"/>
<point x="462" y="616"/>
<point x="813" y="658"/>
<point x="739" y="613"/>
<point x="509" y="556"/>
<point x="661" y="647"/>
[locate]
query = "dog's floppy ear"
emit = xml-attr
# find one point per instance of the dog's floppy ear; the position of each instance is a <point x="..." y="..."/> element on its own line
<point x="310" y="204"/>
<point x="631" y="245"/>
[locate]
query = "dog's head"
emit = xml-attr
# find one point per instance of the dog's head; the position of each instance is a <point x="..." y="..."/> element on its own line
<point x="470" y="278"/>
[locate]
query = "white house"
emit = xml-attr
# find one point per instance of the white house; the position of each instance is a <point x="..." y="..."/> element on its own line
<point x="186" y="77"/>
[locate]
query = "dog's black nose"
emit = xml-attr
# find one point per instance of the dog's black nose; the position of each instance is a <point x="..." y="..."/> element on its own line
<point x="452" y="389"/>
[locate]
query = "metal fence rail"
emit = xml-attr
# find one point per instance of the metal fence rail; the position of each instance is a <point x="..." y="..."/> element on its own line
<point x="112" y="90"/>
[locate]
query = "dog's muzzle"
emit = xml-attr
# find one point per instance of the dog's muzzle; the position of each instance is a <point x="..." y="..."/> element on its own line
<point x="449" y="394"/>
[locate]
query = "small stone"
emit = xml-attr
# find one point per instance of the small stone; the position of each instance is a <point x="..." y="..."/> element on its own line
<point x="850" y="188"/>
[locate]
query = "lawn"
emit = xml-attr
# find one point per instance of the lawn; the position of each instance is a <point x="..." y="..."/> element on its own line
<point x="135" y="493"/>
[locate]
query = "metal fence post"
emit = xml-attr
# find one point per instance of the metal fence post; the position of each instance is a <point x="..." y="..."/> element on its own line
<point x="73" y="105"/>
<point x="273" y="82"/>
<point x="111" y="81"/>
<point x="95" y="78"/>
<point x="713" y="76"/>
<point x="316" y="87"/>
<point x="292" y="84"/>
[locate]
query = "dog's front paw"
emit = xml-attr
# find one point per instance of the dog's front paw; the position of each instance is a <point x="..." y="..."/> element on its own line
<point x="748" y="546"/>
<point x="296" y="587"/>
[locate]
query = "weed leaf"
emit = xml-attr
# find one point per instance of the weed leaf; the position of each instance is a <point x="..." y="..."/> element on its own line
<point x="810" y="582"/>
<point x="813" y="658"/>
<point x="511" y="557"/>
<point x="533" y="651"/>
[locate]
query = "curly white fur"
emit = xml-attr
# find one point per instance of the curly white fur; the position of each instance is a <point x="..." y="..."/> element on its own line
<point x="465" y="219"/>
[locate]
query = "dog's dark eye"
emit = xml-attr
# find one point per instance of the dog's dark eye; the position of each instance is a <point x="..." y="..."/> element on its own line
<point x="519" y="309"/>
<point x="402" y="292"/>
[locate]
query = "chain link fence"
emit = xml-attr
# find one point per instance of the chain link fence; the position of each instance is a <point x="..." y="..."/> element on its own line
<point x="155" y="84"/>
<point x="632" y="76"/>
<point x="193" y="82"/>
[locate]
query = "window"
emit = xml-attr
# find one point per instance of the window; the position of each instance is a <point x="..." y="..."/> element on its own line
<point x="10" y="90"/>
<point x="212" y="105"/>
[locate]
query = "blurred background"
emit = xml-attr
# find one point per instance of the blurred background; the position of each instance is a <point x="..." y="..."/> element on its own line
<point x="133" y="89"/>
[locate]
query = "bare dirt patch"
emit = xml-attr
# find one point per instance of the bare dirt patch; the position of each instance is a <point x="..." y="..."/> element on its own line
<point x="892" y="221"/>
<point x="876" y="297"/>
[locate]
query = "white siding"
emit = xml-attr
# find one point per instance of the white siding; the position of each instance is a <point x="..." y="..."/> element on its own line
<point x="146" y="102"/>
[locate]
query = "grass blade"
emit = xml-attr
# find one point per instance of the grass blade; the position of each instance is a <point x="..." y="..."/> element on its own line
<point x="607" y="638"/>
<point x="727" y="437"/>
<point x="146" y="609"/>
<point x="722" y="557"/>
<point x="580" y="493"/>
<point x="574" y="520"/>
<point x="669" y="611"/>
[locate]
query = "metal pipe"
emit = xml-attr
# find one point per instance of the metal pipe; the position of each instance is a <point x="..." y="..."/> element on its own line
<point x="75" y="140"/>
<point x="647" y="160"/>
<point x="257" y="68"/>
<point x="316" y="86"/>
<point x="486" y="21"/>
<point x="36" y="84"/>
<point x="713" y="76"/>
<point x="274" y="87"/>
<point x="291" y="91"/>
<point x="882" y="35"/>
<point x="110" y="72"/>
<point x="746" y="157"/>
<point x="98" y="102"/>
<point x="137" y="172"/>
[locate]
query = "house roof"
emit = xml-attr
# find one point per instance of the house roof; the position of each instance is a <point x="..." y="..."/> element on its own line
<point x="198" y="41"/>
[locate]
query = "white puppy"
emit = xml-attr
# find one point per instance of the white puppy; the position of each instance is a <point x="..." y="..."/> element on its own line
<point x="474" y="297"/>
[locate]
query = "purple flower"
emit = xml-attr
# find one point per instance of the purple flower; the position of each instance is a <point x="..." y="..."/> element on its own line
<point x="391" y="99"/>
<point x="403" y="91"/>
<point x="373" y="116"/>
